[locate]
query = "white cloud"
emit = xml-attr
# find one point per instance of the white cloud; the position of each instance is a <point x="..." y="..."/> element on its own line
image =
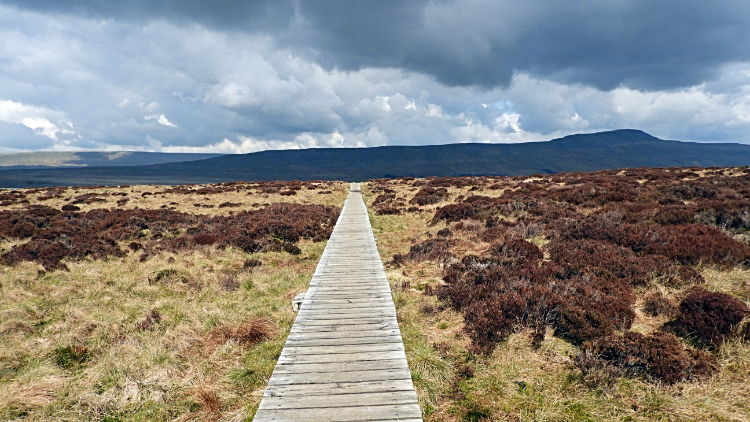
<point x="508" y="121"/>
<point x="150" y="107"/>
<point x="434" y="110"/>
<point x="161" y="119"/>
<point x="35" y="118"/>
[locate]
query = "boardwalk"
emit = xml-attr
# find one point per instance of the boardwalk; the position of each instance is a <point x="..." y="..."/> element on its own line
<point x="344" y="359"/>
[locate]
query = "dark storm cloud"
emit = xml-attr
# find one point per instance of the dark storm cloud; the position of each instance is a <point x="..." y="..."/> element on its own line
<point x="638" y="43"/>
<point x="255" y="14"/>
<point x="643" y="44"/>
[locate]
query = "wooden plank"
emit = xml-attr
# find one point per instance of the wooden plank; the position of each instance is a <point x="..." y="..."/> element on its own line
<point x="341" y="349"/>
<point x="372" y="387"/>
<point x="340" y="366"/>
<point x="353" y="321"/>
<point x="346" y="341"/>
<point x="304" y="402"/>
<point x="364" y="314"/>
<point x="343" y="334"/>
<point x="347" y="310"/>
<point x="345" y="327"/>
<point x="348" y="357"/>
<point x="341" y="376"/>
<point x="351" y="413"/>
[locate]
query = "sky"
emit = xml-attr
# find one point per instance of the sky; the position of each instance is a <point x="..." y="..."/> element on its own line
<point x="231" y="76"/>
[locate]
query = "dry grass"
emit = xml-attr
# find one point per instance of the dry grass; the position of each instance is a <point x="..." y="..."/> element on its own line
<point x="182" y="336"/>
<point x="523" y="382"/>
<point x="250" y="198"/>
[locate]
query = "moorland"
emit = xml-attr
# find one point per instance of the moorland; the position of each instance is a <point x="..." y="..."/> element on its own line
<point x="582" y="152"/>
<point x="610" y="295"/>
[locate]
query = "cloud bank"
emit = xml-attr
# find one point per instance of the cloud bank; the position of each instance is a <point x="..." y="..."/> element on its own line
<point x="240" y="77"/>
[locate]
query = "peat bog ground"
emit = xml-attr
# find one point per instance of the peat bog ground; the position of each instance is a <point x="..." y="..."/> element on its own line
<point x="148" y="303"/>
<point x="613" y="295"/>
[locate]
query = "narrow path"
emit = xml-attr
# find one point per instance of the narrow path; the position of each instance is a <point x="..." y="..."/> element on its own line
<point x="344" y="359"/>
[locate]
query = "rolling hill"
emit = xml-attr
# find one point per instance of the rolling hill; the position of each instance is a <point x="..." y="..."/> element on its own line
<point x="586" y="152"/>
<point x="50" y="159"/>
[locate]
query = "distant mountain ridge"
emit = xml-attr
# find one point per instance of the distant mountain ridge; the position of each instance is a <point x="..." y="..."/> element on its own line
<point x="48" y="159"/>
<point x="586" y="152"/>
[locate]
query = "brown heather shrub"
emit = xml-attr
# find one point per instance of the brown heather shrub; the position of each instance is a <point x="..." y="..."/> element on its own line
<point x="387" y="210"/>
<point x="708" y="318"/>
<point x="436" y="250"/>
<point x="428" y="195"/>
<point x="69" y="207"/>
<point x="385" y="197"/>
<point x="446" y="232"/>
<point x="230" y="204"/>
<point x="516" y="253"/>
<point x="601" y="259"/>
<point x="688" y="244"/>
<point x="655" y="304"/>
<point x="691" y="244"/>
<point x="465" y="370"/>
<point x="152" y="318"/>
<point x="229" y="283"/>
<point x="743" y="330"/>
<point x="493" y="234"/>
<point x="508" y="289"/>
<point x="251" y="263"/>
<point x="57" y="235"/>
<point x="205" y="239"/>
<point x="658" y="356"/>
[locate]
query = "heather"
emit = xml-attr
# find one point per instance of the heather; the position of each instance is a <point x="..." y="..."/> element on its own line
<point x="607" y="279"/>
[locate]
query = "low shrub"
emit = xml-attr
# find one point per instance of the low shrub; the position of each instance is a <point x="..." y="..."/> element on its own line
<point x="510" y="288"/>
<point x="436" y="250"/>
<point x="57" y="235"/>
<point x="446" y="232"/>
<point x="708" y="318"/>
<point x="658" y="356"/>
<point x="251" y="263"/>
<point x="655" y="304"/>
<point x="428" y="196"/>
<point x="387" y="210"/>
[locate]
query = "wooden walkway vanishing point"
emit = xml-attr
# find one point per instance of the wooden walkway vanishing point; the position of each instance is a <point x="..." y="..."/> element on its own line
<point x="344" y="359"/>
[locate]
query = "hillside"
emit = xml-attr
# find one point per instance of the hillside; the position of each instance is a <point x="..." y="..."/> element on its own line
<point x="47" y="159"/>
<point x="588" y="152"/>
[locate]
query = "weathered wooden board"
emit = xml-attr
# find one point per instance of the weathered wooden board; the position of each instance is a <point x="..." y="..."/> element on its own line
<point x="308" y="402"/>
<point x="344" y="358"/>
<point x="350" y="413"/>
<point x="365" y="365"/>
